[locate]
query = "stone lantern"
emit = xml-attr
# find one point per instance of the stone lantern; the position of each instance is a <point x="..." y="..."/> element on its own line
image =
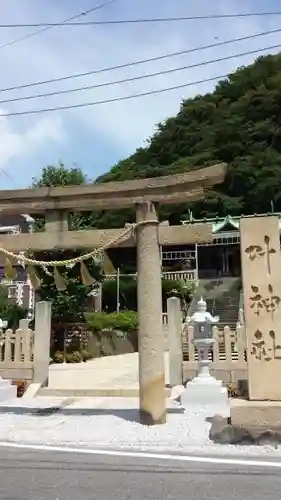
<point x="203" y="389"/>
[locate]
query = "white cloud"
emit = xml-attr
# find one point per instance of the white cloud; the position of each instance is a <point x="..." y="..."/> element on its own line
<point x="18" y="143"/>
<point x="123" y="125"/>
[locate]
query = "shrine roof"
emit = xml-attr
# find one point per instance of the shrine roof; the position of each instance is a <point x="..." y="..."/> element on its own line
<point x="227" y="223"/>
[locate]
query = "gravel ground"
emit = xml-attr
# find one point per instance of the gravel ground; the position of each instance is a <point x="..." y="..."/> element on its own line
<point x="113" y="423"/>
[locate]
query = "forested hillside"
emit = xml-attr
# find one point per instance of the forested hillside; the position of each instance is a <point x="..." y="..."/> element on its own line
<point x="239" y="123"/>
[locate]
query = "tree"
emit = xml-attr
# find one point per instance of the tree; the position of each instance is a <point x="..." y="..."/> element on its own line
<point x="68" y="305"/>
<point x="60" y="175"/>
<point x="10" y="312"/>
<point x="239" y="123"/>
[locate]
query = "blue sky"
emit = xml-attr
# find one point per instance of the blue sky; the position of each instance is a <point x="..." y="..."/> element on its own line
<point x="96" y="138"/>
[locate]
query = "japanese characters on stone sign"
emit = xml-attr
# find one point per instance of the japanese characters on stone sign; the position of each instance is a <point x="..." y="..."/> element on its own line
<point x="256" y="251"/>
<point x="259" y="346"/>
<point x="264" y="346"/>
<point x="267" y="303"/>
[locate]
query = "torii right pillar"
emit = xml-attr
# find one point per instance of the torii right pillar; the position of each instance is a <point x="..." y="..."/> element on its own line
<point x="150" y="335"/>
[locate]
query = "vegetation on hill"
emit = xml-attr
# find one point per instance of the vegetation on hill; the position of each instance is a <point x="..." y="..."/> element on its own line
<point x="238" y="123"/>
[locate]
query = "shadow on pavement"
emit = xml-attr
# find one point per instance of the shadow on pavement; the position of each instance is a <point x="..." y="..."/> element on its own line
<point x="128" y="414"/>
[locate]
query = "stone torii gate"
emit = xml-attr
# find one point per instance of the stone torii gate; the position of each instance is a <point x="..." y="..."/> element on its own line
<point x="56" y="203"/>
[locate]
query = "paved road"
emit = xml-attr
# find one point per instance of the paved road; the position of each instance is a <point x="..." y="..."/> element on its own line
<point x="40" y="475"/>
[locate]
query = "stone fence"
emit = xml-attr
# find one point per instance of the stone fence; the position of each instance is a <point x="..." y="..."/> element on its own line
<point x="188" y="275"/>
<point x="16" y="354"/>
<point x="228" y="354"/>
<point x="23" y="352"/>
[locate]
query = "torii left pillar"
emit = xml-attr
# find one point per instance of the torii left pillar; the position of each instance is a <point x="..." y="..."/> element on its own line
<point x="150" y="335"/>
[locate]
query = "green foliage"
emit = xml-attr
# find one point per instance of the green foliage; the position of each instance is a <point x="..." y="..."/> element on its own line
<point x="128" y="292"/>
<point x="86" y="355"/>
<point x="70" y="304"/>
<point x="10" y="312"/>
<point x="181" y="289"/>
<point x="58" y="357"/>
<point x="126" y="321"/>
<point x="59" y="175"/>
<point x="239" y="123"/>
<point x="73" y="357"/>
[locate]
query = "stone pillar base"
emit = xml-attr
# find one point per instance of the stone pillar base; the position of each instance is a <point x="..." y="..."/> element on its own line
<point x="255" y="414"/>
<point x="7" y="390"/>
<point x="204" y="391"/>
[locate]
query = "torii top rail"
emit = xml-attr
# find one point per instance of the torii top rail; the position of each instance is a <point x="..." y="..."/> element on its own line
<point x="56" y="202"/>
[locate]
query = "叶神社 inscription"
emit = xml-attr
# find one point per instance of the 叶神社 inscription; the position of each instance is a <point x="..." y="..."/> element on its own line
<point x="260" y="253"/>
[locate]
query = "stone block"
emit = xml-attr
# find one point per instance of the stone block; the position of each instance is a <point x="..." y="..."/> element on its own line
<point x="223" y="432"/>
<point x="7" y="390"/>
<point x="256" y="414"/>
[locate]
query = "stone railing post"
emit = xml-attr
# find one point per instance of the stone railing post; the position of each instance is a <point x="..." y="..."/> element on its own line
<point x="42" y="340"/>
<point x="175" y="340"/>
<point x="151" y="338"/>
<point x="24" y="324"/>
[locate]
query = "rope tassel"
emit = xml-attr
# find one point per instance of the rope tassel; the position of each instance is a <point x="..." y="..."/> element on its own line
<point x="86" y="278"/>
<point x="9" y="270"/>
<point x="33" y="276"/>
<point x="59" y="280"/>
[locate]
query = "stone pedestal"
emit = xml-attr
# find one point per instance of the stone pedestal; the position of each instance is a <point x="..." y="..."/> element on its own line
<point x="151" y="338"/>
<point x="7" y="390"/>
<point x="204" y="389"/>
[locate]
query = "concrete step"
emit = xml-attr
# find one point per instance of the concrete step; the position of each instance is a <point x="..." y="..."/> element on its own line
<point x="112" y="392"/>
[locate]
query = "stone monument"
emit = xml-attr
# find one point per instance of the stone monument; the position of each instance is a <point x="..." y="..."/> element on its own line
<point x="261" y="264"/>
<point x="203" y="389"/>
<point x="260" y="257"/>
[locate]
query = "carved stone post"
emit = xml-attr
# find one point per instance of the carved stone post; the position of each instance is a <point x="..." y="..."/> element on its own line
<point x="42" y="339"/>
<point x="151" y="338"/>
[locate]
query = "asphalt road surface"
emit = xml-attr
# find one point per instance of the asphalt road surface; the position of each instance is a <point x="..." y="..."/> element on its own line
<point x="41" y="475"/>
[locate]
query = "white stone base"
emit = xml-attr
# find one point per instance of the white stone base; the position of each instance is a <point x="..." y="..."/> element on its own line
<point x="7" y="390"/>
<point x="204" y="391"/>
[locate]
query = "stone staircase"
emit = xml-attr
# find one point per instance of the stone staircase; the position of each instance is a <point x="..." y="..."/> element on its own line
<point x="222" y="298"/>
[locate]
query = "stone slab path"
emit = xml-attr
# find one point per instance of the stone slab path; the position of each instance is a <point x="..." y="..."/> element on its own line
<point x="109" y="373"/>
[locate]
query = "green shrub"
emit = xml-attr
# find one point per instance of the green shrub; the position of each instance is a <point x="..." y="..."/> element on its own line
<point x="183" y="290"/>
<point x="126" y="321"/>
<point x="73" y="357"/>
<point x="58" y="357"/>
<point x="86" y="355"/>
<point x="98" y="321"/>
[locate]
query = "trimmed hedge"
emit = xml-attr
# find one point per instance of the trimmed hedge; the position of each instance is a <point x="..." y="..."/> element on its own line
<point x="126" y="321"/>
